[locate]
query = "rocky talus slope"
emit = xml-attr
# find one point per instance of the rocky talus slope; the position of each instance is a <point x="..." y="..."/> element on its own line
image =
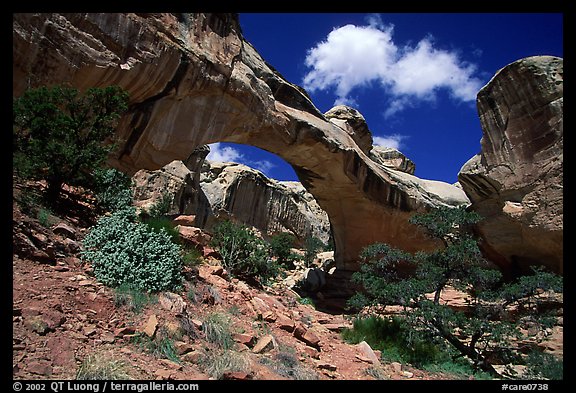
<point x="64" y="320"/>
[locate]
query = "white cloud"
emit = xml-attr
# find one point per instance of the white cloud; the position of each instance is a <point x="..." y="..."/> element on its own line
<point x="351" y="56"/>
<point x="219" y="153"/>
<point x="394" y="140"/>
<point x="358" y="56"/>
<point x="263" y="166"/>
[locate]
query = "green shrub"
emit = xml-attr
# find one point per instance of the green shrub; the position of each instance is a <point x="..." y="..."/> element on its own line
<point x="243" y="253"/>
<point x="135" y="300"/>
<point x="191" y="256"/>
<point x="44" y="217"/>
<point x="306" y="301"/>
<point x="123" y="251"/>
<point x="312" y="246"/>
<point x="216" y="329"/>
<point x="397" y="341"/>
<point x="394" y="277"/>
<point x="112" y="189"/>
<point x="159" y="224"/>
<point x="281" y="247"/>
<point x="542" y="365"/>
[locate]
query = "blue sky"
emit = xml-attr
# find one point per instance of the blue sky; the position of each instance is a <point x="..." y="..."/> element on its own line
<point x="413" y="76"/>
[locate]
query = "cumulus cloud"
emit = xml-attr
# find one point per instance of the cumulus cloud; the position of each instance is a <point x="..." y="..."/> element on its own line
<point x="394" y="140"/>
<point x="220" y="153"/>
<point x="360" y="56"/>
<point x="263" y="166"/>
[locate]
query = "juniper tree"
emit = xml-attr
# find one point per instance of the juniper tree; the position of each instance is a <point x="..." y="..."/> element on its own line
<point x="416" y="281"/>
<point x="60" y="135"/>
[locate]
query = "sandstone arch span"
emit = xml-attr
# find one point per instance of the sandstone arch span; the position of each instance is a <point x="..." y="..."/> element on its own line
<point x="194" y="80"/>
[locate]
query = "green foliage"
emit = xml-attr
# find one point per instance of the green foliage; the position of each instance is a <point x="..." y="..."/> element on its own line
<point x="160" y="346"/>
<point x="281" y="247"/>
<point x="312" y="246"/>
<point x="541" y="365"/>
<point x="123" y="251"/>
<point x="191" y="256"/>
<point x="43" y="217"/>
<point x="243" y="253"/>
<point x="446" y="222"/>
<point x="161" y="207"/>
<point x="395" y="338"/>
<point x="134" y="299"/>
<point x="216" y="329"/>
<point x="306" y="301"/>
<point x="163" y="224"/>
<point x="394" y="277"/>
<point x="59" y="135"/>
<point x="112" y="189"/>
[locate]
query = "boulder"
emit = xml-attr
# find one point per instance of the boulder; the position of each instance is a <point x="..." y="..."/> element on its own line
<point x="351" y="121"/>
<point x="516" y="181"/>
<point x="314" y="279"/>
<point x="392" y="158"/>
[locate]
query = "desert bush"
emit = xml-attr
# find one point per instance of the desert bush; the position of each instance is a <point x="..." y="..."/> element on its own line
<point x="216" y="329"/>
<point x="244" y="254"/>
<point x="112" y="189"/>
<point x="101" y="366"/>
<point x="394" y="338"/>
<point x="541" y="365"/>
<point x="312" y="246"/>
<point x="159" y="224"/>
<point x="216" y="363"/>
<point x="281" y="247"/>
<point x="124" y="251"/>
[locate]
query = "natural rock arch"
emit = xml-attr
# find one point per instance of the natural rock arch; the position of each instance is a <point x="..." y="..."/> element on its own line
<point x="194" y="80"/>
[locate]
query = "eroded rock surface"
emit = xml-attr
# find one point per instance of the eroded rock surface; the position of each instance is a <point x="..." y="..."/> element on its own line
<point x="194" y="80"/>
<point x="516" y="182"/>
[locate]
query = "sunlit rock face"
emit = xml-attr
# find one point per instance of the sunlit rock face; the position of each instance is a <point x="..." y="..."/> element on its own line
<point x="237" y="192"/>
<point x="194" y="80"/>
<point x="516" y="182"/>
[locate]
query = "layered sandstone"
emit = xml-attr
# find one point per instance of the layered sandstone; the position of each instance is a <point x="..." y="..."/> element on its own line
<point x="235" y="191"/>
<point x="516" y="182"/>
<point x="194" y="80"/>
<point x="393" y="158"/>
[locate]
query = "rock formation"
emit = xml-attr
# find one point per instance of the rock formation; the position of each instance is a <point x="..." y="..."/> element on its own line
<point x="194" y="80"/>
<point x="393" y="158"/>
<point x="244" y="194"/>
<point x="516" y="182"/>
<point x="215" y="191"/>
<point x="180" y="180"/>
